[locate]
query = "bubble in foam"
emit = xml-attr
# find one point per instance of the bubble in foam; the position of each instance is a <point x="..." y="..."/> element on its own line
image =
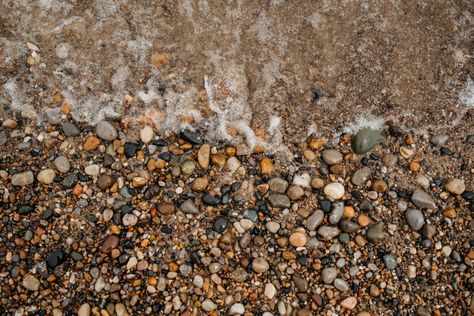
<point x="467" y="95"/>
<point x="12" y="90"/>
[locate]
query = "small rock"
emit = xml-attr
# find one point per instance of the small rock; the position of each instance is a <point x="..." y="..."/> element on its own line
<point x="334" y="190"/>
<point x="349" y="303"/>
<point x="269" y="291"/>
<point x="188" y="207"/>
<point x="237" y="309"/>
<point x="376" y="233"/>
<point x="9" y="123"/>
<point x="439" y="140"/>
<point x="84" y="310"/>
<point x="70" y="129"/>
<point x="390" y="261"/>
<point x="106" y="131"/>
<point x="328" y="275"/>
<point x="317" y="183"/>
<point x="415" y="218"/>
<point x="46" y="176"/>
<point x="204" y="156"/>
<point x="302" y="180"/>
<point x="56" y="258"/>
<point x="277" y="185"/>
<point x="314" y="220"/>
<point x="120" y="310"/>
<point x="208" y="305"/>
<point x="298" y="239"/>
<point x="232" y="164"/>
<point x="92" y="170"/>
<point x="279" y="200"/>
<point x="147" y="134"/>
<point x="389" y="160"/>
<point x="105" y="181"/>
<point x="220" y="224"/>
<point x="423" y="200"/>
<point x="129" y="220"/>
<point x="166" y="208"/>
<point x="272" y="227"/>
<point x="23" y="178"/>
<point x="336" y="213"/>
<point x="260" y="265"/>
<point x="455" y="186"/>
<point x="341" y="285"/>
<point x="110" y="243"/>
<point x="200" y="184"/>
<point x="295" y="192"/>
<point x="30" y="282"/>
<point x="331" y="156"/>
<point x="328" y="232"/>
<point x="266" y="166"/>
<point x="191" y="137"/>
<point x="361" y="176"/>
<point x="366" y="139"/>
<point x="348" y="226"/>
<point x="62" y="164"/>
<point x="130" y="149"/>
<point x="91" y="143"/>
<point x="188" y="167"/>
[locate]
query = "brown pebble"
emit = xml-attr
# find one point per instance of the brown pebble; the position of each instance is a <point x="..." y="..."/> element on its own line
<point x="105" y="181"/>
<point x="91" y="143"/>
<point x="110" y="243"/>
<point x="166" y="208"/>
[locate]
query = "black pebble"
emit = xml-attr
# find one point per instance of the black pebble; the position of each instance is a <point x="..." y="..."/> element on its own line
<point x="56" y="258"/>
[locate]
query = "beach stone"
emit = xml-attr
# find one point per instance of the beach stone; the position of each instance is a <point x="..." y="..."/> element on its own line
<point x="376" y="233"/>
<point x="105" y="181"/>
<point x="237" y="309"/>
<point x="232" y="164"/>
<point x="298" y="239"/>
<point x="423" y="200"/>
<point x="317" y="183"/>
<point x="56" y="258"/>
<point x="220" y="224"/>
<point x="295" y="192"/>
<point x="70" y="129"/>
<point x="314" y="220"/>
<point x="9" y="123"/>
<point x="110" y="243"/>
<point x="166" y="208"/>
<point x="23" y="179"/>
<point x="200" y="184"/>
<point x="129" y="220"/>
<point x="334" y="190"/>
<point x="91" y="143"/>
<point x="341" y="285"/>
<point x="279" y="200"/>
<point x="191" y="136"/>
<point x="328" y="232"/>
<point x="188" y="207"/>
<point x="120" y="310"/>
<point x="204" y="155"/>
<point x="379" y="186"/>
<point x="272" y="227"/>
<point x="92" y="170"/>
<point x="348" y="226"/>
<point x="415" y="218"/>
<point x="389" y="160"/>
<point x="361" y="176"/>
<point x="84" y="310"/>
<point x="328" y="275"/>
<point x="260" y="265"/>
<point x="208" y="305"/>
<point x="147" y="134"/>
<point x="349" y="303"/>
<point x="266" y="166"/>
<point x="269" y="291"/>
<point x="277" y="185"/>
<point x="455" y="186"/>
<point x="366" y="139"/>
<point x="301" y="283"/>
<point x="130" y="149"/>
<point x="46" y="176"/>
<point x="106" y="130"/>
<point x="3" y="138"/>
<point x="331" y="156"/>
<point x="336" y="213"/>
<point x="188" y="167"/>
<point x="390" y="261"/>
<point x="30" y="282"/>
<point x="62" y="164"/>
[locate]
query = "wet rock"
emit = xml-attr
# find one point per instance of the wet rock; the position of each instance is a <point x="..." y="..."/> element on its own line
<point x="298" y="239"/>
<point x="191" y="137"/>
<point x="348" y="226"/>
<point x="361" y="176"/>
<point x="26" y="209"/>
<point x="423" y="200"/>
<point x="70" y="129"/>
<point x="62" y="164"/>
<point x="166" y="208"/>
<point x="106" y="131"/>
<point x="334" y="190"/>
<point x="260" y="265"/>
<point x="277" y="185"/>
<point x="315" y="220"/>
<point x="376" y="233"/>
<point x="110" y="243"/>
<point x="70" y="180"/>
<point x="130" y="149"/>
<point x="336" y="213"/>
<point x="328" y="232"/>
<point x="211" y="200"/>
<point x="220" y="225"/>
<point x="105" y="181"/>
<point x="23" y="178"/>
<point x="295" y="192"/>
<point x="328" y="275"/>
<point x="415" y="219"/>
<point x="30" y="282"/>
<point x="366" y="139"/>
<point x="455" y="186"/>
<point x="46" y="176"/>
<point x="279" y="200"/>
<point x="188" y="207"/>
<point x="439" y="140"/>
<point x="390" y="261"/>
<point x="56" y="258"/>
<point x="301" y="283"/>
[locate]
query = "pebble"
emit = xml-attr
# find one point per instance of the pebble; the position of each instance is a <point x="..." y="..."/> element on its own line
<point x="204" y="156"/>
<point x="208" y="305"/>
<point x="129" y="220"/>
<point x="110" y="243"/>
<point x="232" y="164"/>
<point x="166" y="208"/>
<point x="91" y="143"/>
<point x="317" y="183"/>
<point x="105" y="181"/>
<point x="328" y="275"/>
<point x="9" y="123"/>
<point x="147" y="134"/>
<point x="301" y="283"/>
<point x="70" y="129"/>
<point x="106" y="131"/>
<point x="279" y="200"/>
<point x="23" y="178"/>
<point x="269" y="291"/>
<point x="341" y="285"/>
<point x="376" y="233"/>
<point x="349" y="303"/>
<point x="314" y="220"/>
<point x="389" y="160"/>
<point x="390" y="261"/>
<point x="260" y="265"/>
<point x="423" y="200"/>
<point x="272" y="226"/>
<point x="455" y="186"/>
<point x="361" y="176"/>
<point x="298" y="239"/>
<point x="188" y="207"/>
<point x="237" y="309"/>
<point x="278" y="185"/>
<point x="366" y="139"/>
<point x="336" y="213"/>
<point x="334" y="190"/>
<point x="56" y="258"/>
<point x="84" y="310"/>
<point x="46" y="176"/>
<point x="415" y="218"/>
<point x="200" y="184"/>
<point x="328" y="232"/>
<point x="295" y="192"/>
<point x="30" y="282"/>
<point x="92" y="170"/>
<point x="331" y="156"/>
<point x="120" y="310"/>
<point x="62" y="164"/>
<point x="266" y="166"/>
<point x="439" y="140"/>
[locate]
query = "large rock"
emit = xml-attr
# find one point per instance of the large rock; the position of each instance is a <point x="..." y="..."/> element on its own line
<point x="278" y="185"/>
<point x="279" y="200"/>
<point x="366" y="139"/>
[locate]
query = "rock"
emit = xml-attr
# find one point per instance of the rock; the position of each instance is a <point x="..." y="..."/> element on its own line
<point x="439" y="140"/>
<point x="70" y="180"/>
<point x="56" y="258"/>
<point x="188" y="167"/>
<point x="120" y="310"/>
<point x="317" y="183"/>
<point x="328" y="232"/>
<point x="269" y="291"/>
<point x="260" y="265"/>
<point x="26" y="209"/>
<point x="422" y="311"/>
<point x="279" y="200"/>
<point x="423" y="200"/>
<point x="204" y="155"/>
<point x="336" y="213"/>
<point x="366" y="139"/>
<point x="110" y="243"/>
<point x="349" y="303"/>
<point x="429" y="231"/>
<point x="314" y="220"/>
<point x="62" y="164"/>
<point x="277" y="185"/>
<point x="237" y="309"/>
<point x="334" y="190"/>
<point x="105" y="181"/>
<point x="272" y="227"/>
<point x="91" y="143"/>
<point x="28" y="112"/>
<point x="266" y="166"/>
<point x="415" y="218"/>
<point x="328" y="275"/>
<point x="147" y="134"/>
<point x="208" y="305"/>
<point x="341" y="285"/>
<point x="211" y="200"/>
<point x="376" y="233"/>
<point x="166" y="208"/>
<point x="298" y="239"/>
<point x="301" y="284"/>
<point x="46" y="176"/>
<point x="70" y="129"/>
<point x="106" y="130"/>
<point x="3" y="138"/>
<point x="188" y="207"/>
<point x="30" y="282"/>
<point x="232" y="164"/>
<point x="331" y="156"/>
<point x="23" y="178"/>
<point x="390" y="261"/>
<point x="455" y="186"/>
<point x="295" y="192"/>
<point x="129" y="220"/>
<point x="302" y="180"/>
<point x="361" y="176"/>
<point x="92" y="170"/>
<point x="200" y="184"/>
<point x="84" y="310"/>
<point x="348" y="226"/>
<point x="9" y="123"/>
<point x="130" y="149"/>
<point x="220" y="224"/>
<point x="191" y="137"/>
<point x="52" y="115"/>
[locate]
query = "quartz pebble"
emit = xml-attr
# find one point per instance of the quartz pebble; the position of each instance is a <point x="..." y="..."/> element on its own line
<point x="46" y="176"/>
<point x="23" y="178"/>
<point x="147" y="134"/>
<point x="334" y="190"/>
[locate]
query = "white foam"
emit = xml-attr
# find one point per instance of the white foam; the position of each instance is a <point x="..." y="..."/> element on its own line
<point x="315" y="19"/>
<point x="12" y="90"/>
<point x="467" y="95"/>
<point x="365" y="121"/>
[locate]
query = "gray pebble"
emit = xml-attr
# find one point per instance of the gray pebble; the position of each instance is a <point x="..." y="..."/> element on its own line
<point x="390" y="261"/>
<point x="336" y="213"/>
<point x="415" y="218"/>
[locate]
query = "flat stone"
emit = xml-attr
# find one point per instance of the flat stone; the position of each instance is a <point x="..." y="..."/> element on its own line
<point x="366" y="139"/>
<point x="84" y="310"/>
<point x="166" y="208"/>
<point x="334" y="190"/>
<point x="349" y="303"/>
<point x="188" y="207"/>
<point x="279" y="200"/>
<point x="301" y="283"/>
<point x="30" y="282"/>
<point x="348" y="226"/>
<point x="415" y="218"/>
<point x="272" y="226"/>
<point x="70" y="129"/>
<point x="237" y="309"/>
<point x="46" y="176"/>
<point x="455" y="186"/>
<point x="106" y="130"/>
<point x="295" y="192"/>
<point x="423" y="200"/>
<point x="62" y="164"/>
<point x="361" y="176"/>
<point x="331" y="156"/>
<point x="277" y="185"/>
<point x="92" y="170"/>
<point x="23" y="179"/>
<point x="390" y="261"/>
<point x="328" y="275"/>
<point x="315" y="220"/>
<point x="336" y="213"/>
<point x="341" y="285"/>
<point x="269" y="291"/>
<point x="328" y="232"/>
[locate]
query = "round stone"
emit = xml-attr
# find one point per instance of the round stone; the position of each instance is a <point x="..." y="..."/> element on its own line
<point x="455" y="186"/>
<point x="366" y="139"/>
<point x="328" y="275"/>
<point x="295" y="192"/>
<point x="390" y="261"/>
<point x="237" y="309"/>
<point x="331" y="156"/>
<point x="92" y="170"/>
<point x="208" y="305"/>
<point x="188" y="167"/>
<point x="30" y="282"/>
<point x="106" y="131"/>
<point x="147" y="134"/>
<point x="298" y="239"/>
<point x="232" y="164"/>
<point x="84" y="310"/>
<point x="105" y="181"/>
<point x="334" y="190"/>
<point x="260" y="265"/>
<point x="46" y="176"/>
<point x="23" y="178"/>
<point x="270" y="291"/>
<point x="415" y="219"/>
<point x="349" y="303"/>
<point x="221" y="224"/>
<point x="110" y="243"/>
<point x="129" y="219"/>
<point x="200" y="184"/>
<point x="62" y="164"/>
